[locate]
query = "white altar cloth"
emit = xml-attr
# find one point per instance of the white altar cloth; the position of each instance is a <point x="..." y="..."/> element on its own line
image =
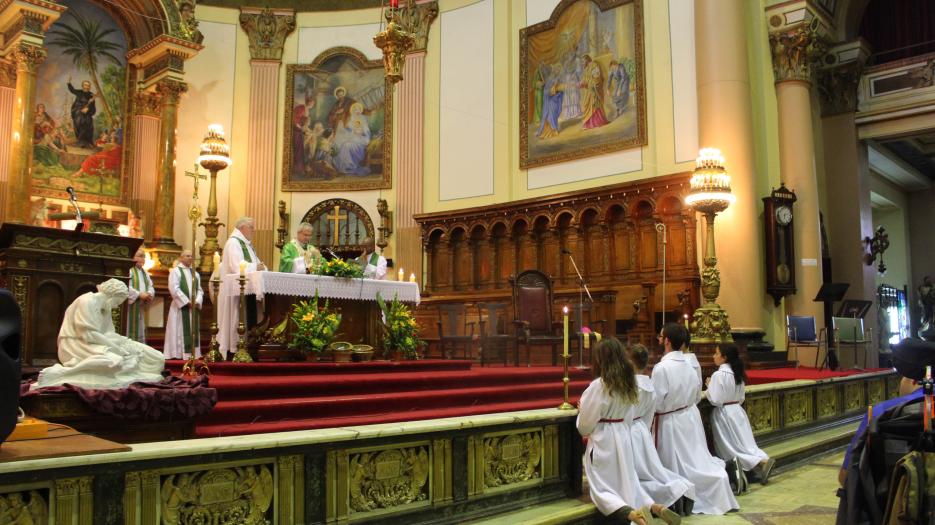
<point x="301" y="285"/>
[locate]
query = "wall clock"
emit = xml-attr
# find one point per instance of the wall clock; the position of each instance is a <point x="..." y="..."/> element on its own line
<point x="780" y="252"/>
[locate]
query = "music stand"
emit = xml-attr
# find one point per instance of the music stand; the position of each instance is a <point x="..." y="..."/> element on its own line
<point x="830" y="293"/>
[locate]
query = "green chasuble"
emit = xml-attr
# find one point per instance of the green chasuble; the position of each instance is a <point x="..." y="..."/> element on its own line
<point x="140" y="282"/>
<point x="190" y="315"/>
<point x="290" y="253"/>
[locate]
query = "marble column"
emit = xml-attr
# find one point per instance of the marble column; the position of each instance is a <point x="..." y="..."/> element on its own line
<point x="27" y="57"/>
<point x="146" y="127"/>
<point x="7" y="97"/>
<point x="848" y="217"/>
<point x="725" y="122"/>
<point x="170" y="91"/>
<point x="793" y="51"/>
<point x="267" y="31"/>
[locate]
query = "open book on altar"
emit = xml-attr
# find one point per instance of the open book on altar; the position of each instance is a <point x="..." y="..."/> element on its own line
<point x="302" y="285"/>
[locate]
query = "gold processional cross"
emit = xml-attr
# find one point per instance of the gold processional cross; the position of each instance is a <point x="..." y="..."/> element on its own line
<point x="336" y="218"/>
<point x="194" y="212"/>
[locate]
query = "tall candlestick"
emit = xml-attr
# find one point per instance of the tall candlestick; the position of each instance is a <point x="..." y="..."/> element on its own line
<point x="686" y="320"/>
<point x="401" y="276"/>
<point x="565" y="323"/>
<point x="565" y="380"/>
<point x="243" y="267"/>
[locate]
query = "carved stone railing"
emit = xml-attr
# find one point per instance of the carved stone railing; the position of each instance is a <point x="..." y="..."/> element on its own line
<point x="903" y="85"/>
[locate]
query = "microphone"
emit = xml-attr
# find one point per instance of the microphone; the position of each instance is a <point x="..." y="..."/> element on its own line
<point x="74" y="201"/>
<point x="566" y="251"/>
<point x="330" y="252"/>
<point x="71" y="193"/>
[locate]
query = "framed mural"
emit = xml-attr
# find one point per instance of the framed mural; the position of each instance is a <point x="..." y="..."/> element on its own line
<point x="581" y="82"/>
<point x="80" y="109"/>
<point x="338" y="124"/>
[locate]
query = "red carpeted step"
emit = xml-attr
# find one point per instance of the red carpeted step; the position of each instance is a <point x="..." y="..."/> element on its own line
<point x="222" y="429"/>
<point x="337" y="406"/>
<point x="305" y="368"/>
<point x="775" y="375"/>
<point x="239" y="387"/>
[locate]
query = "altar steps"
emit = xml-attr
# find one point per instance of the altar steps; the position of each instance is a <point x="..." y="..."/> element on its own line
<point x="275" y="397"/>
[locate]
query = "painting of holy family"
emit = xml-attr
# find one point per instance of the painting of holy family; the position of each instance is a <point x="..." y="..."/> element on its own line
<point x="581" y="82"/>
<point x="78" y="135"/>
<point x="338" y="124"/>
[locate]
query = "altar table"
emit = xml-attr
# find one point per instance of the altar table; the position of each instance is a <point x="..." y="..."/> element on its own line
<point x="354" y="298"/>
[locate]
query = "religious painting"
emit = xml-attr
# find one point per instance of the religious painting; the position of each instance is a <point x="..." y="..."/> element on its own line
<point x="81" y="89"/>
<point x="581" y="82"/>
<point x="338" y="124"/>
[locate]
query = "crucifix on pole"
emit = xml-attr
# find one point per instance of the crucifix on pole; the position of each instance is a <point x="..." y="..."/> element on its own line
<point x="194" y="212"/>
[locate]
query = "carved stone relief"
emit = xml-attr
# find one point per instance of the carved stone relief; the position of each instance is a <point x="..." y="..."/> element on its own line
<point x="267" y="32"/>
<point x="512" y="458"/>
<point x="388" y="478"/>
<point x="240" y="495"/>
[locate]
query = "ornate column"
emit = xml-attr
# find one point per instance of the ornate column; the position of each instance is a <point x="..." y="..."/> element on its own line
<point x="267" y="30"/>
<point x="849" y="217"/>
<point x="170" y="91"/>
<point x="23" y="30"/>
<point x="725" y="122"/>
<point x="409" y="149"/>
<point x="794" y="48"/>
<point x="146" y="124"/>
<point x="7" y="94"/>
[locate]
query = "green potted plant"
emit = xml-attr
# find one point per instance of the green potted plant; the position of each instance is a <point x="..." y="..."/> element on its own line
<point x="400" y="330"/>
<point x="315" y="326"/>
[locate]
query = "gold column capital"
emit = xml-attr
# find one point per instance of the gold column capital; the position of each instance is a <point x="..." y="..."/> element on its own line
<point x="795" y="50"/>
<point x="267" y="30"/>
<point x="148" y="103"/>
<point x="170" y="91"/>
<point x="839" y="80"/>
<point x="425" y="14"/>
<point x="7" y="74"/>
<point x="28" y="57"/>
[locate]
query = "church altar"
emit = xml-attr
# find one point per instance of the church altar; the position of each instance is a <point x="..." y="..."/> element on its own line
<point x="356" y="299"/>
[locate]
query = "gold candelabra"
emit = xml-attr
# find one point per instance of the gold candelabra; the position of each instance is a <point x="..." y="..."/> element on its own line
<point x="214" y="157"/>
<point x="214" y="352"/>
<point x="565" y="380"/>
<point x="397" y="38"/>
<point x="242" y="356"/>
<point x="710" y="194"/>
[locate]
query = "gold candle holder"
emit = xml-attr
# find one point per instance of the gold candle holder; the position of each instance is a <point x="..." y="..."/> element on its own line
<point x="565" y="404"/>
<point x="214" y="351"/>
<point x="242" y="356"/>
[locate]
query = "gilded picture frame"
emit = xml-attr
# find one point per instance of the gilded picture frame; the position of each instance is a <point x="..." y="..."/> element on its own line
<point x="338" y="124"/>
<point x="582" y="87"/>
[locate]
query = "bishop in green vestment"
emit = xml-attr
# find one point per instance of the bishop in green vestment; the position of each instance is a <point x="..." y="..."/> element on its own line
<point x="299" y="256"/>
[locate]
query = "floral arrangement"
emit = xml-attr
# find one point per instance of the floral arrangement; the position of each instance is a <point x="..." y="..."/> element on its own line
<point x="315" y="325"/>
<point x="400" y="330"/>
<point x="340" y="268"/>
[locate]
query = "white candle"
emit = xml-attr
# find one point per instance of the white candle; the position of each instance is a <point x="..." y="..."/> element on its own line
<point x="243" y="267"/>
<point x="565" y="333"/>
<point x="402" y="275"/>
<point x="412" y="277"/>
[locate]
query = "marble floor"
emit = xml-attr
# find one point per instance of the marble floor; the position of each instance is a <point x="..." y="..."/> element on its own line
<point x="801" y="495"/>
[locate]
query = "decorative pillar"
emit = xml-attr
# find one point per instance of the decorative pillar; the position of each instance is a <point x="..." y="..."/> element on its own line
<point x="794" y="49"/>
<point x="267" y="30"/>
<point x="410" y="147"/>
<point x="849" y="217"/>
<point x="725" y="122"/>
<point x="7" y="93"/>
<point x="146" y="113"/>
<point x="170" y="91"/>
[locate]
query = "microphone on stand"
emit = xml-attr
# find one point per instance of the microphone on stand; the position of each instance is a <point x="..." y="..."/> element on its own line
<point x="566" y="251"/>
<point x="74" y="201"/>
<point x="330" y="252"/>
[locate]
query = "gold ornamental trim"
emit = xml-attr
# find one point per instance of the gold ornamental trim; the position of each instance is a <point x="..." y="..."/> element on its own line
<point x="797" y="408"/>
<point x="69" y="246"/>
<point x="267" y="31"/>
<point x="388" y="478"/>
<point x="854" y="399"/>
<point x="763" y="412"/>
<point x="827" y="401"/>
<point x="511" y="458"/>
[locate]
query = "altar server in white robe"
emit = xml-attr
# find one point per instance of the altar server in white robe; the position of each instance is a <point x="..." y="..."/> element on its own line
<point x="660" y="483"/>
<point x="182" y="332"/>
<point x="680" y="437"/>
<point x="373" y="263"/>
<point x="733" y="437"/>
<point x="605" y="416"/>
<point x="238" y="248"/>
<point x="141" y="294"/>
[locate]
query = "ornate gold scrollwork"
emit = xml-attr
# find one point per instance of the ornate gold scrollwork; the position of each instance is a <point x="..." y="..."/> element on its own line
<point x="798" y="408"/>
<point x="20" y="507"/>
<point x="238" y="495"/>
<point x="853" y="396"/>
<point x="388" y="478"/>
<point x="512" y="458"/>
<point x="761" y="414"/>
<point x="827" y="401"/>
<point x="876" y="391"/>
<point x="69" y="246"/>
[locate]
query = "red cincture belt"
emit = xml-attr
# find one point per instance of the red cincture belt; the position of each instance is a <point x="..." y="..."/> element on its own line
<point x="732" y="403"/>
<point x="602" y="420"/>
<point x="656" y="422"/>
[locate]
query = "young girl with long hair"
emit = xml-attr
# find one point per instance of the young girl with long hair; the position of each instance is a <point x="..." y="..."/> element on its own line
<point x="605" y="415"/>
<point x="733" y="436"/>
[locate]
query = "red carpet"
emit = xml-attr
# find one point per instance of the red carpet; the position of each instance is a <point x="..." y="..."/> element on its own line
<point x="775" y="375"/>
<point x="275" y="397"/>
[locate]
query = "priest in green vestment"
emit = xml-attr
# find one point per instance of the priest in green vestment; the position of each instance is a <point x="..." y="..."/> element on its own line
<point x="141" y="293"/>
<point x="182" y="334"/>
<point x="299" y="255"/>
<point x="373" y="263"/>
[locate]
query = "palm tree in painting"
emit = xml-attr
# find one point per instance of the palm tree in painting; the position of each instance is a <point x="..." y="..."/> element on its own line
<point x="88" y="45"/>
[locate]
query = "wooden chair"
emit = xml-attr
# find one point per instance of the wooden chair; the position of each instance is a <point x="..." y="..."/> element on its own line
<point x="849" y="332"/>
<point x="802" y="332"/>
<point x="532" y="312"/>
<point x="587" y="321"/>
<point x="495" y="339"/>
<point x="455" y="331"/>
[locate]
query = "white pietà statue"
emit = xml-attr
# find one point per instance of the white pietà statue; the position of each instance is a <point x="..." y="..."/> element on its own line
<point x="92" y="354"/>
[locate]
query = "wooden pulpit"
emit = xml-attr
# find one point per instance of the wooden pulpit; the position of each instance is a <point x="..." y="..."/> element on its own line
<point x="47" y="268"/>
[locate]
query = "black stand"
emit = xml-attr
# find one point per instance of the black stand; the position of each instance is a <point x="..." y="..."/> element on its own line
<point x="582" y="289"/>
<point x="830" y="293"/>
